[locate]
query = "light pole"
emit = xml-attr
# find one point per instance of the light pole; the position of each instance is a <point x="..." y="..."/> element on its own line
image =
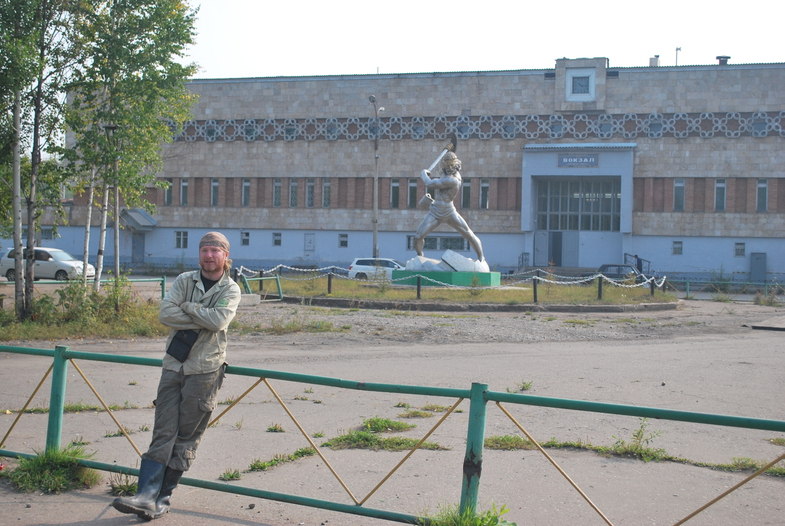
<point x="375" y="220"/>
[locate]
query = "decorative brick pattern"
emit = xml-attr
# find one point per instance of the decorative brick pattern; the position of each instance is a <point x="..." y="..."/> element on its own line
<point x="579" y="126"/>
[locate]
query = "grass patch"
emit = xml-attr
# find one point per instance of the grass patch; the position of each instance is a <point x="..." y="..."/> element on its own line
<point x="562" y="294"/>
<point x="230" y="474"/>
<point x="275" y="428"/>
<point x="521" y="387"/>
<point x="508" y="443"/>
<point x="279" y="327"/>
<point x="54" y="471"/>
<point x="778" y="441"/>
<point x="264" y="465"/>
<point x="385" y="425"/>
<point x="637" y="447"/>
<point x="452" y="516"/>
<point x="416" y="413"/>
<point x="374" y="442"/>
<point x="122" y="485"/>
<point x="79" y="312"/>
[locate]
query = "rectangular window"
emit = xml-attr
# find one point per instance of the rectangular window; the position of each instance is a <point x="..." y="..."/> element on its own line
<point x="411" y="196"/>
<point x="678" y="195"/>
<point x="326" y="193"/>
<point x="453" y="243"/>
<point x="277" y="190"/>
<point x="466" y="194"/>
<point x="580" y="85"/>
<point x="677" y="249"/>
<point x="485" y="189"/>
<point x="343" y="240"/>
<point x="181" y="239"/>
<point x="310" y="192"/>
<point x="168" y="193"/>
<point x="276" y="239"/>
<point x="245" y="196"/>
<point x="763" y="195"/>
<point x="293" y="193"/>
<point x="395" y="193"/>
<point x="245" y="238"/>
<point x="213" y="192"/>
<point x="184" y="192"/>
<point x="739" y="249"/>
<point x="719" y="195"/>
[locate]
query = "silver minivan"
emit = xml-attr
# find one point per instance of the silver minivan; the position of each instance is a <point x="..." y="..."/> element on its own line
<point x="50" y="263"/>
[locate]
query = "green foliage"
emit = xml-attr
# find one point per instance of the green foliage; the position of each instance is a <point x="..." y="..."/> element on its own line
<point x="230" y="474"/>
<point x="385" y="425"/>
<point x="638" y="446"/>
<point x="122" y="485"/>
<point x="508" y="443"/>
<point x="453" y="516"/>
<point x="372" y="441"/>
<point x="260" y="465"/>
<point x="78" y="311"/>
<point x="54" y="471"/>
<point x="558" y="294"/>
<point x="275" y="428"/>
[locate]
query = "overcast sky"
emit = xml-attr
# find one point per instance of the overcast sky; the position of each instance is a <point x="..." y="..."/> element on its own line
<point x="263" y="38"/>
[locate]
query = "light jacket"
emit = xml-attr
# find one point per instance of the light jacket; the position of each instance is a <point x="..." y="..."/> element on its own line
<point x="188" y="306"/>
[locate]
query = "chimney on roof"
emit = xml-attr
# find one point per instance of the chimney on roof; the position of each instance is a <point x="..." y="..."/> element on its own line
<point x="654" y="62"/>
<point x="723" y="59"/>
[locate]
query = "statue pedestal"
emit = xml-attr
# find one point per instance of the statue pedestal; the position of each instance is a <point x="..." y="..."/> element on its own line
<point x="452" y="269"/>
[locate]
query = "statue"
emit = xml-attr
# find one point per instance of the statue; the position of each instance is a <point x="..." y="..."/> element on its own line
<point x="442" y="210"/>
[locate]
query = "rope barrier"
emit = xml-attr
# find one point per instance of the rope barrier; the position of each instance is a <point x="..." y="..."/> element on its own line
<point x="553" y="279"/>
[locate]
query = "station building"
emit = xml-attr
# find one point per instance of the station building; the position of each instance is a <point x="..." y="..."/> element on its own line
<point x="576" y="166"/>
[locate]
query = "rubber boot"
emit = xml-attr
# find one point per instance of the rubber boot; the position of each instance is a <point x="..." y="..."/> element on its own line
<point x="171" y="479"/>
<point x="143" y="504"/>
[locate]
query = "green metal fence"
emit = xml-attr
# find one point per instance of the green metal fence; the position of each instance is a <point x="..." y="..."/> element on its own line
<point x="477" y="394"/>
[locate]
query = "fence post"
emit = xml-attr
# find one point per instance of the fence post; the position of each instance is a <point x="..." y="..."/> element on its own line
<point x="261" y="280"/>
<point x="535" y="280"/>
<point x="54" y="429"/>
<point x="419" y="287"/>
<point x="475" y="438"/>
<point x="330" y="282"/>
<point x="163" y="286"/>
<point x="599" y="287"/>
<point x="651" y="286"/>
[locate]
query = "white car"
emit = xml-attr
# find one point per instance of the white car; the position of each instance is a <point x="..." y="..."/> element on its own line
<point x="50" y="263"/>
<point x="373" y="268"/>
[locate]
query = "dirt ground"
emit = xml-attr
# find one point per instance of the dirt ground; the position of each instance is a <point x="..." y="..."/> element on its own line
<point x="702" y="356"/>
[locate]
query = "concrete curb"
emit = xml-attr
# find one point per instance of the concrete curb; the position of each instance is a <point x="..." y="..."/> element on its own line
<point x="349" y="303"/>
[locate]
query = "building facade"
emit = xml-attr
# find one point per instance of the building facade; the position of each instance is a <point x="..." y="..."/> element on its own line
<point x="574" y="166"/>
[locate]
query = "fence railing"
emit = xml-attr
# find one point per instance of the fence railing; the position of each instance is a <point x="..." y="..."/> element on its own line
<point x="478" y="396"/>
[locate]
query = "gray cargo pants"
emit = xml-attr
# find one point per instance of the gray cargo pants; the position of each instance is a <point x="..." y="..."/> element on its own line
<point x="183" y="407"/>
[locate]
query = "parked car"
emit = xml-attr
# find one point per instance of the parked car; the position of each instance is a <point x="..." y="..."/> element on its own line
<point x="621" y="271"/>
<point x="50" y="263"/>
<point x="373" y="268"/>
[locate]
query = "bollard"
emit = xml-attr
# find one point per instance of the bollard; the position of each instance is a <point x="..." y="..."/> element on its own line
<point x="54" y="429"/>
<point x="475" y="441"/>
<point x="535" y="280"/>
<point x="599" y="287"/>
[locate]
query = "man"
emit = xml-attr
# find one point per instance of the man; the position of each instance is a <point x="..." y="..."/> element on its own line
<point x="199" y="305"/>
<point x="442" y="209"/>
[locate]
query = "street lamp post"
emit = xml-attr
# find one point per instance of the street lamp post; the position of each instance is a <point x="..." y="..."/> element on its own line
<point x="375" y="219"/>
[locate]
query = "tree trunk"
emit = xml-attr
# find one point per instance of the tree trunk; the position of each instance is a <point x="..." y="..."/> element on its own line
<point x="99" y="261"/>
<point x="88" y="221"/>
<point x="19" y="295"/>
